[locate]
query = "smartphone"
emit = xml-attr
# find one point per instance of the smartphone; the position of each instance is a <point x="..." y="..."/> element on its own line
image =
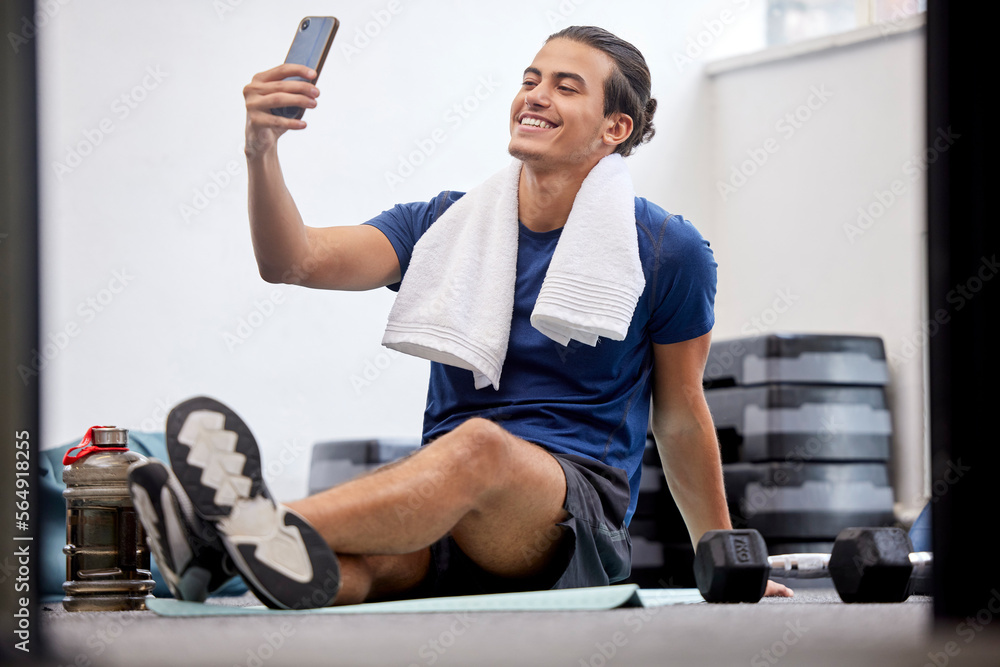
<point x="310" y="46"/>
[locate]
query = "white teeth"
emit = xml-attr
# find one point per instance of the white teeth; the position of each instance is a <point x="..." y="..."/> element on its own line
<point x="536" y="122"/>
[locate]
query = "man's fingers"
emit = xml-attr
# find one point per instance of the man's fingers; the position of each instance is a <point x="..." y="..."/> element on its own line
<point x="299" y="87"/>
<point x="267" y="102"/>
<point x="259" y="89"/>
<point x="270" y="90"/>
<point x="285" y="70"/>
<point x="775" y="589"/>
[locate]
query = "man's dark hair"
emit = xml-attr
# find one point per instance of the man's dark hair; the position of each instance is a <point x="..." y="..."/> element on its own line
<point x="628" y="88"/>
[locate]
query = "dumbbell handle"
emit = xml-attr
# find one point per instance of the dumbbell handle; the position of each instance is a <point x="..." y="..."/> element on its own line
<point x="817" y="566"/>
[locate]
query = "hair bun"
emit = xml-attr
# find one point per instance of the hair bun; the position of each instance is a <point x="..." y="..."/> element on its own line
<point x="647" y="130"/>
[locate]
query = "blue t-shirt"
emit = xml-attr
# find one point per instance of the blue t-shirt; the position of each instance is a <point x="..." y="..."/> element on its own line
<point x="575" y="399"/>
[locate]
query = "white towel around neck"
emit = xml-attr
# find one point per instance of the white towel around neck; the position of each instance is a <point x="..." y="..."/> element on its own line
<point x="457" y="298"/>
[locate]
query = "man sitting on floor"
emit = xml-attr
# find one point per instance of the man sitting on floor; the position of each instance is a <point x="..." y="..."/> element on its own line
<point x="540" y="386"/>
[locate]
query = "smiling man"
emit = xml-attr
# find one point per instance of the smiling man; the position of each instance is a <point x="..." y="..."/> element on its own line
<point x="528" y="483"/>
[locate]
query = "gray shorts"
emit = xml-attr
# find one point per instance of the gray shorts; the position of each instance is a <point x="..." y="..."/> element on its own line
<point x="594" y="550"/>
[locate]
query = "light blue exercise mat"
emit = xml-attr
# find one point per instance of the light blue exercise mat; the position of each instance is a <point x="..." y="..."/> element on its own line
<point x="597" y="598"/>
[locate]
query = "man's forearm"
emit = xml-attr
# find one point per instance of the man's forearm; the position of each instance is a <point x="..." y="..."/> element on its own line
<point x="280" y="240"/>
<point x="691" y="461"/>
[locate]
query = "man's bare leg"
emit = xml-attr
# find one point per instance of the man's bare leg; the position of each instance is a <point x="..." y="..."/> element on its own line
<point x="498" y="495"/>
<point x="373" y="578"/>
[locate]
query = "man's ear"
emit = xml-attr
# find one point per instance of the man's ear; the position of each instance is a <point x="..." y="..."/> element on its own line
<point x="619" y="130"/>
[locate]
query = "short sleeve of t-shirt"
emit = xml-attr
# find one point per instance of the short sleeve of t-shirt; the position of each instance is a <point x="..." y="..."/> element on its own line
<point x="683" y="279"/>
<point x="404" y="224"/>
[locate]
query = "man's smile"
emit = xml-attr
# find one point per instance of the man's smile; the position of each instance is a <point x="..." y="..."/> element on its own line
<point x="529" y="120"/>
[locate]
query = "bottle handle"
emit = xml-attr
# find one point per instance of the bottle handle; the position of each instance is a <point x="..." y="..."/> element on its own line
<point x="88" y="447"/>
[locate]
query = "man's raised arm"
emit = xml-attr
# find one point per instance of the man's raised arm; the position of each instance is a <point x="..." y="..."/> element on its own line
<point x="355" y="257"/>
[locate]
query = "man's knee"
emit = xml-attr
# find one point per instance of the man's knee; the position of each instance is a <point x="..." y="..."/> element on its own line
<point x="481" y="432"/>
<point x="481" y="448"/>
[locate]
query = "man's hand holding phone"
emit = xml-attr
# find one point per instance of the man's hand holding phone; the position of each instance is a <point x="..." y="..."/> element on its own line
<point x="277" y="98"/>
<point x="273" y="89"/>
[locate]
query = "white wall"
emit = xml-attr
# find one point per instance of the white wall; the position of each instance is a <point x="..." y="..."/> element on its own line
<point x="793" y="254"/>
<point x="187" y="281"/>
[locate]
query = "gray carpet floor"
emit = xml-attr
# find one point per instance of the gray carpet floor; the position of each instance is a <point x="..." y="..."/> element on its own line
<point x="813" y="628"/>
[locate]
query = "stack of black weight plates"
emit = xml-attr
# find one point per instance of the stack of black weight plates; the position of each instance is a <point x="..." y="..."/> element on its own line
<point x="805" y="434"/>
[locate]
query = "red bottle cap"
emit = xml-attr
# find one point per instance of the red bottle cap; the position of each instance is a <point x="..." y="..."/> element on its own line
<point x="89" y="447"/>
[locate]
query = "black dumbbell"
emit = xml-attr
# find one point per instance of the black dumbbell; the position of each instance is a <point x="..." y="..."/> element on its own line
<point x="866" y="565"/>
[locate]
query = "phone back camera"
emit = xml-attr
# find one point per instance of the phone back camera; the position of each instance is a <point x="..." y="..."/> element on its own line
<point x="305" y="24"/>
